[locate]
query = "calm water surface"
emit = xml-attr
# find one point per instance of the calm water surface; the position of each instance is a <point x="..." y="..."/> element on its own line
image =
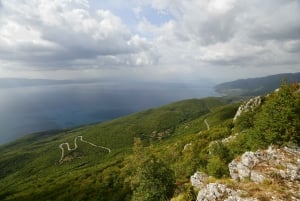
<point x="26" y="110"/>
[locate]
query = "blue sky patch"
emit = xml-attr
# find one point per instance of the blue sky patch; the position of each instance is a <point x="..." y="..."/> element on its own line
<point x="156" y="17"/>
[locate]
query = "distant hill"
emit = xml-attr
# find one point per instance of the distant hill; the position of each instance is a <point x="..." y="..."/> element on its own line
<point x="255" y="86"/>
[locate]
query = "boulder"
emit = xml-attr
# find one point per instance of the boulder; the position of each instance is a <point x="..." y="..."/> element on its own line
<point x="257" y="177"/>
<point x="216" y="192"/>
<point x="249" y="159"/>
<point x="238" y="171"/>
<point x="198" y="179"/>
<point x="267" y="164"/>
<point x="233" y="170"/>
<point x="273" y="167"/>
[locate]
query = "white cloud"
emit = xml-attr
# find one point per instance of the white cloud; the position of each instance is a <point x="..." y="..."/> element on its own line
<point x="220" y="6"/>
<point x="200" y="37"/>
<point x="230" y="33"/>
<point x="58" y="34"/>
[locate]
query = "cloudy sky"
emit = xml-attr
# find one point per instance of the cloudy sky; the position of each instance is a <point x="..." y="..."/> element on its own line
<point x="150" y="40"/>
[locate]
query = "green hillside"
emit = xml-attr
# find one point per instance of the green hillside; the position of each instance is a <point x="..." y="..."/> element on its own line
<point x="31" y="167"/>
<point x="153" y="153"/>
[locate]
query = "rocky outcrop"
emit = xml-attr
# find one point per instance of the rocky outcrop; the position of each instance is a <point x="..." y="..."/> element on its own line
<point x="215" y="191"/>
<point x="230" y="138"/>
<point x="278" y="167"/>
<point x="248" y="106"/>
<point x="198" y="179"/>
<point x="257" y="166"/>
<point x="272" y="174"/>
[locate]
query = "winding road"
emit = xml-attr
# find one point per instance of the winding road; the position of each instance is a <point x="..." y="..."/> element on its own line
<point x="207" y="125"/>
<point x="61" y="146"/>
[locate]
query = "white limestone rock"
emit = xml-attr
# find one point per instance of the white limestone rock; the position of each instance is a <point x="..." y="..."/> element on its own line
<point x="249" y="159"/>
<point x="198" y="179"/>
<point x="248" y="106"/>
<point x="257" y="177"/>
<point x="264" y="164"/>
<point x="216" y="192"/>
<point x="238" y="171"/>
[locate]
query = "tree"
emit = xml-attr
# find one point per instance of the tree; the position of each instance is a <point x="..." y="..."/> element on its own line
<point x="244" y="121"/>
<point x="152" y="180"/>
<point x="279" y="120"/>
<point x="217" y="167"/>
<point x="219" y="149"/>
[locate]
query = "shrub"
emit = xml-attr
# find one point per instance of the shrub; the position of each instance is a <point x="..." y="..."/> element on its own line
<point x="217" y="167"/>
<point x="279" y="120"/>
<point x="151" y="179"/>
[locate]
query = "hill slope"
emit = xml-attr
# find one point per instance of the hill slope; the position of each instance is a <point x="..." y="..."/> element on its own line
<point x="153" y="153"/>
<point x="255" y="86"/>
<point x="31" y="167"/>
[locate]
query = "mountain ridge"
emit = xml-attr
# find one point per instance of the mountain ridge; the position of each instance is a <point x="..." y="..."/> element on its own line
<point x="255" y="86"/>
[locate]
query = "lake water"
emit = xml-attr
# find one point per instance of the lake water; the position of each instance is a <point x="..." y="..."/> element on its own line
<point x="26" y="110"/>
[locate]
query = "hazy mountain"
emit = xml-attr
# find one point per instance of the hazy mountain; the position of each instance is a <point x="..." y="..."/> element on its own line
<point x="255" y="86"/>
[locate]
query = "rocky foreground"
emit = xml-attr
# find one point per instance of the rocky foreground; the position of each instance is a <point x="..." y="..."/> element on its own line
<point x="272" y="174"/>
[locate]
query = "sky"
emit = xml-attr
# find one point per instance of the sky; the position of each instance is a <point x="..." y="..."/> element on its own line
<point x="157" y="40"/>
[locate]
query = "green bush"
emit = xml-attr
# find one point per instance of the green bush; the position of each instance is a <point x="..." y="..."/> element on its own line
<point x="244" y="121"/>
<point x="220" y="150"/>
<point x="151" y="179"/>
<point x="217" y="167"/>
<point x="279" y="120"/>
<point x="190" y="194"/>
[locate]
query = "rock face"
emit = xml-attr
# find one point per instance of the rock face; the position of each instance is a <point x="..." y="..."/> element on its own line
<point x="198" y="179"/>
<point x="248" y="106"/>
<point x="275" y="166"/>
<point x="272" y="174"/>
<point x="215" y="191"/>
<point x="281" y="163"/>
